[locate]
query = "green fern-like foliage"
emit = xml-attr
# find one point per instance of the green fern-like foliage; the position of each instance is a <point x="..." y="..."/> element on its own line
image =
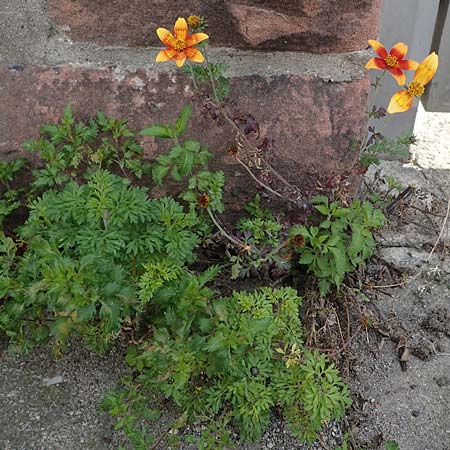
<point x="237" y="358"/>
<point x="87" y="246"/>
<point x="69" y="148"/>
<point x="9" y="197"/>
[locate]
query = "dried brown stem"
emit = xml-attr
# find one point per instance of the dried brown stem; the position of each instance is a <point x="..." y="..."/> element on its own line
<point x="244" y="143"/>
<point x="222" y="230"/>
<point x="265" y="186"/>
<point x="442" y="230"/>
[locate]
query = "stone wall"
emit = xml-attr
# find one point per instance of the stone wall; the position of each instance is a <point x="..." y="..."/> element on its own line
<point x="296" y="65"/>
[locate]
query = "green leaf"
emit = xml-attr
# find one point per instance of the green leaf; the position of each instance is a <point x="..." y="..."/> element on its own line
<point x="356" y="243"/>
<point x="324" y="286"/>
<point x="158" y="173"/>
<point x="391" y="445"/>
<point x="306" y="258"/>
<point x="319" y="199"/>
<point x="67" y="118"/>
<point x="185" y="163"/>
<point x="323" y="209"/>
<point x="299" y="229"/>
<point x="340" y="260"/>
<point x="192" y="146"/>
<point x="182" y="119"/>
<point x="161" y="131"/>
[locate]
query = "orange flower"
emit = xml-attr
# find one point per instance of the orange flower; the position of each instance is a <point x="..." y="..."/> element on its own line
<point x="180" y="45"/>
<point x="392" y="61"/>
<point x="402" y="100"/>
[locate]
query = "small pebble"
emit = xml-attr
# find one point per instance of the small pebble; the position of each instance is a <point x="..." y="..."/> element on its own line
<point x="52" y="381"/>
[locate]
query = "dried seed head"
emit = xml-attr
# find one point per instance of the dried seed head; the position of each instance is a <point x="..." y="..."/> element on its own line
<point x="203" y="200"/>
<point x="298" y="241"/>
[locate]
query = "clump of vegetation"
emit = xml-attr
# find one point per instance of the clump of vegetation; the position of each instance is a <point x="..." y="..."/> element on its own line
<point x="231" y="359"/>
<point x="97" y="252"/>
<point x="341" y="241"/>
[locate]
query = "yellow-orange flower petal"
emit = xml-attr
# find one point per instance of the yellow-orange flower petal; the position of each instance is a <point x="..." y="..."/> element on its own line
<point x="181" y="29"/>
<point x="180" y="45"/>
<point x="376" y="63"/>
<point x="408" y="64"/>
<point x="166" y="36"/>
<point x="180" y="59"/>
<point x="399" y="50"/>
<point x="401" y="101"/>
<point x="166" y="55"/>
<point x="196" y="38"/>
<point x="378" y="47"/>
<point x="194" y="55"/>
<point x="427" y="69"/>
<point x="399" y="76"/>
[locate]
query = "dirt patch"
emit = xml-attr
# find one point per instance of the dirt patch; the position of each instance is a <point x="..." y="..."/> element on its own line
<point x="49" y="404"/>
<point x="438" y="321"/>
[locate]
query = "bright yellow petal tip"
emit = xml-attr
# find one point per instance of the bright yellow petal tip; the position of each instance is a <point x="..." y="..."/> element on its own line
<point x="427" y="69"/>
<point x="378" y="47"/>
<point x="181" y="28"/>
<point x="165" y="36"/>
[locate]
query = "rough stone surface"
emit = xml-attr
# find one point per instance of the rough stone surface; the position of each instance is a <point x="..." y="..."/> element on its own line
<point x="64" y="416"/>
<point x="302" y="25"/>
<point x="411" y="406"/>
<point x="96" y="56"/>
<point x="312" y="123"/>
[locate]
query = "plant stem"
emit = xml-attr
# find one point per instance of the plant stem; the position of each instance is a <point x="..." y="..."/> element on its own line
<point x="372" y="103"/>
<point x="375" y="92"/>
<point x="175" y="140"/>
<point x="386" y="121"/>
<point x="253" y="149"/>
<point x="265" y="186"/>
<point x="208" y="69"/>
<point x="222" y="231"/>
<point x="191" y="69"/>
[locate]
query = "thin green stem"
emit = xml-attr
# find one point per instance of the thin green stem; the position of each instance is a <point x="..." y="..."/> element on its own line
<point x="194" y="80"/>
<point x="375" y="91"/>
<point x="386" y="121"/>
<point x="364" y="140"/>
<point x="208" y="69"/>
<point x="175" y="140"/>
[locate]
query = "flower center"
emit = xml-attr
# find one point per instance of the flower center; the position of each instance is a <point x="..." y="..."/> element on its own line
<point x="415" y="89"/>
<point x="179" y="45"/>
<point x="391" y="61"/>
